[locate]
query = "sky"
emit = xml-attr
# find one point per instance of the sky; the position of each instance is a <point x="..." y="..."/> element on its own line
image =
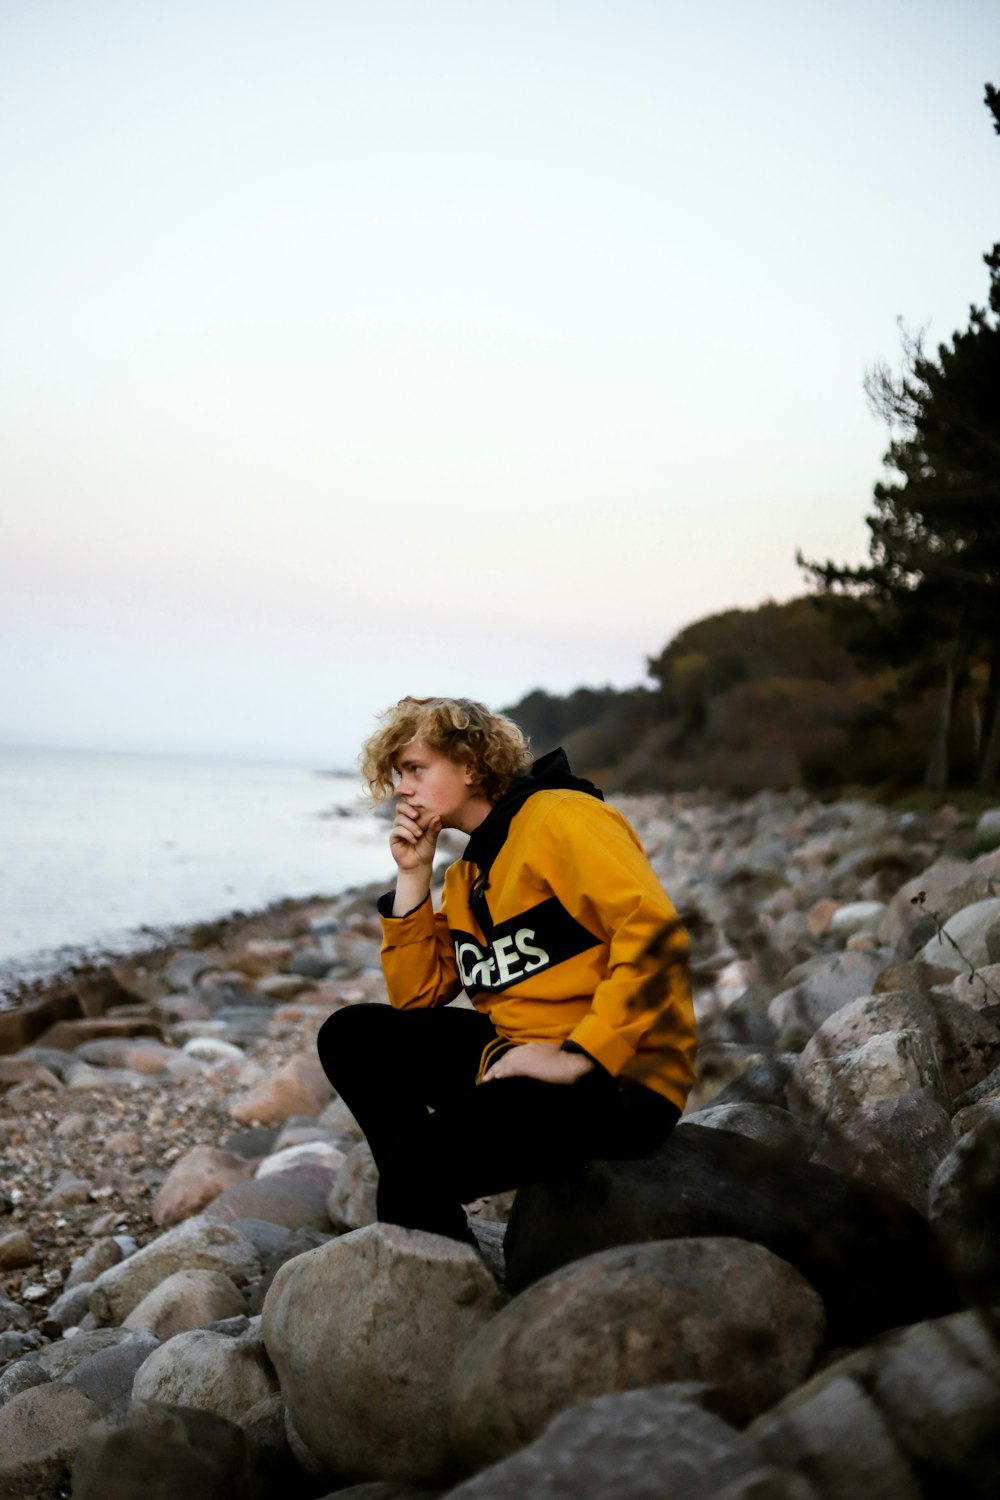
<point x="355" y="348"/>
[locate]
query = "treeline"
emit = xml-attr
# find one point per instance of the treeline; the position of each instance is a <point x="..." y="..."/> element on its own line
<point x="747" y="699"/>
<point x="889" y="675"/>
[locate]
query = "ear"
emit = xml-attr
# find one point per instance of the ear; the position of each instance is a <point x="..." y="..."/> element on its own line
<point x="468" y="773"/>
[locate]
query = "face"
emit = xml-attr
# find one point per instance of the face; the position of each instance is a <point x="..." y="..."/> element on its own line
<point x="431" y="785"/>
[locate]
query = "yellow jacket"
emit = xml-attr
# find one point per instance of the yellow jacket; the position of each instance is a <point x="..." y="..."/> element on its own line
<point x="556" y="927"/>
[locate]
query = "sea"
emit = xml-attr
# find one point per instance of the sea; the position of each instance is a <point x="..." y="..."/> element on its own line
<point x="105" y="852"/>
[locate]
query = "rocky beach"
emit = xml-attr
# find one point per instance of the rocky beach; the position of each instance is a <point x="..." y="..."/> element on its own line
<point x="794" y="1298"/>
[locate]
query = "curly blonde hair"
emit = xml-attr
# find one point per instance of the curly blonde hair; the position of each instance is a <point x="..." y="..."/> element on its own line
<point x="465" y="731"/>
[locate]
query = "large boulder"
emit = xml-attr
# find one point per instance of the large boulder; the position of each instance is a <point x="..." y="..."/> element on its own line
<point x="363" y="1333"/>
<point x="872" y="1258"/>
<point x="759" y="1122"/>
<point x="922" y="1402"/>
<point x="896" y="1144"/>
<point x="211" y="1371"/>
<point x="965" y="1042"/>
<point x="107" y="1375"/>
<point x="158" y="1450"/>
<point x="40" y="1432"/>
<point x="721" y="1311"/>
<point x="196" y="1244"/>
<point x="655" y="1444"/>
<point x="831" y="1090"/>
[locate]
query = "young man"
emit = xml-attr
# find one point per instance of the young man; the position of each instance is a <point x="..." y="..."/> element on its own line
<point x="581" y="1038"/>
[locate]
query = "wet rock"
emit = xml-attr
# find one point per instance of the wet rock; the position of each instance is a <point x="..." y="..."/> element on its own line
<point x="205" y="1457"/>
<point x="186" y="1300"/>
<point x="873" y="1259"/>
<point x="200" y="1175"/>
<point x="40" y="1432"/>
<point x="721" y="1311"/>
<point x="197" y="1244"/>
<point x="351" y="1203"/>
<point x="225" y="1376"/>
<point x="643" y="1445"/>
<point x="368" y="1403"/>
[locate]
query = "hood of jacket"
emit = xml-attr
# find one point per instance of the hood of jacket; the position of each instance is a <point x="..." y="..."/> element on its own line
<point x="550" y="773"/>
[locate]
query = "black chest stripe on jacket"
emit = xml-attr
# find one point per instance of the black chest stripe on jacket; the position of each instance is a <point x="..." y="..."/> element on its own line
<point x="534" y="940"/>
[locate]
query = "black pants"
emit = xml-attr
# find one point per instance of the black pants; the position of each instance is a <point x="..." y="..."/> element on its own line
<point x="391" y="1067"/>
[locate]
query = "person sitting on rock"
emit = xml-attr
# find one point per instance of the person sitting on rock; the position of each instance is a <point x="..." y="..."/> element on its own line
<point x="580" y="1039"/>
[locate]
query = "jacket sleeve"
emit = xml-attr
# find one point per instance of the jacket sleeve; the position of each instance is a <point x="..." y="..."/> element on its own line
<point x="418" y="960"/>
<point x="595" y="865"/>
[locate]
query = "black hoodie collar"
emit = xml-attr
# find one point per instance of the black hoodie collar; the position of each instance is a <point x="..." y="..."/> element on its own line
<point x="550" y="772"/>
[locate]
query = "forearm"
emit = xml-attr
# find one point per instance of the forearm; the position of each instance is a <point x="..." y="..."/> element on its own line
<point x="412" y="888"/>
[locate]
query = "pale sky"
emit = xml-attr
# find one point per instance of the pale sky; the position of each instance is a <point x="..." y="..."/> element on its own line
<point x="361" y="347"/>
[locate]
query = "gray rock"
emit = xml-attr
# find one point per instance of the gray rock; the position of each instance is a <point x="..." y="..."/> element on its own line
<point x="70" y="1307"/>
<point x="21" y="1375"/>
<point x="874" y="1261"/>
<point x="841" y="1439"/>
<point x="643" y="1445"/>
<point x="106" y="1376"/>
<point x="935" y="1389"/>
<point x="186" y="1300"/>
<point x="12" y="1315"/>
<point x="297" y="1242"/>
<point x="831" y="1090"/>
<point x="253" y="1142"/>
<point x="185" y="967"/>
<point x="58" y="1359"/>
<point x="969" y="939"/>
<point x="197" y="1244"/>
<point x="769" y="1484"/>
<point x="14" y="1343"/>
<point x="338" y="1118"/>
<point x="40" y="1432"/>
<point x="291" y="1199"/>
<point x="820" y="988"/>
<point x="721" y="1311"/>
<point x="905" y="911"/>
<point x="988" y="826"/>
<point x="857" y="916"/>
<point x="265" y="1237"/>
<point x="765" y="1123"/>
<point x="965" y="1042"/>
<point x="225" y="1376"/>
<point x="363" y="1333"/>
<point x="895" y="1144"/>
<point x="962" y="1205"/>
<point x="157" y="1450"/>
<point x="351" y="1201"/>
<point x="763" y="1081"/>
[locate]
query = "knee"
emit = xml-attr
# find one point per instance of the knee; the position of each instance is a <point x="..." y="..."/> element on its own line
<point x="345" y="1034"/>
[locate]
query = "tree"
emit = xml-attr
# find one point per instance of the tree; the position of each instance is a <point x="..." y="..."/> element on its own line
<point x="934" y="570"/>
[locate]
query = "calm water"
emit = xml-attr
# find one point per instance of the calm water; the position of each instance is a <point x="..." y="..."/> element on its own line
<point x="96" y="846"/>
